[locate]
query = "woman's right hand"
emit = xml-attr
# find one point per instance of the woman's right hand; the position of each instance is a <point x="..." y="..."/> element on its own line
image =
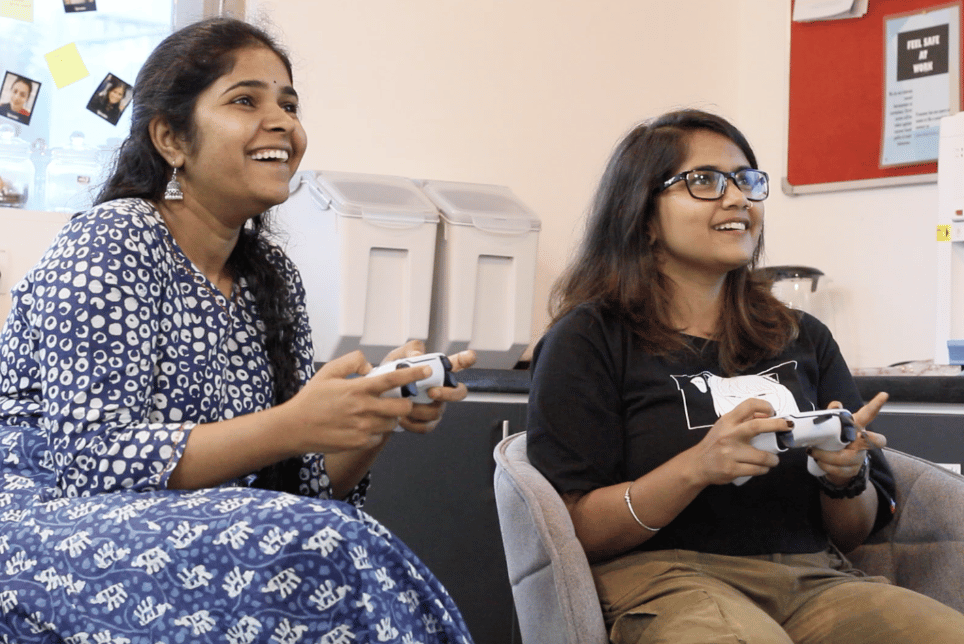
<point x="725" y="453"/>
<point x="334" y="412"/>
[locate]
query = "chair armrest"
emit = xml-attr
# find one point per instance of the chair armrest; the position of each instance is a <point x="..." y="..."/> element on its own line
<point x="923" y="547"/>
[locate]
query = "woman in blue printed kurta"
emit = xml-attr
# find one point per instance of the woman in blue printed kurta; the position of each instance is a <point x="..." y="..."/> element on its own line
<point x="161" y="433"/>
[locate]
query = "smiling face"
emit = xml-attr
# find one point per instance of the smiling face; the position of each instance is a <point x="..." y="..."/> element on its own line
<point x="19" y="93"/>
<point x="247" y="140"/>
<point x="116" y="95"/>
<point x="706" y="239"/>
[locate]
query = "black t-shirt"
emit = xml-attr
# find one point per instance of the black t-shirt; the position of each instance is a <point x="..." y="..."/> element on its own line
<point x="603" y="411"/>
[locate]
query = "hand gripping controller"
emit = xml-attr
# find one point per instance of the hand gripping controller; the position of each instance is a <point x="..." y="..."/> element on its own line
<point x="441" y="376"/>
<point x="826" y="429"/>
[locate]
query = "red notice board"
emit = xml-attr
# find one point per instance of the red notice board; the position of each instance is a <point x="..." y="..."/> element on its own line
<point x="837" y="100"/>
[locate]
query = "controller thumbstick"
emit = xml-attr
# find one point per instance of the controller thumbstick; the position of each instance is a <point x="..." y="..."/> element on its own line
<point x="848" y="430"/>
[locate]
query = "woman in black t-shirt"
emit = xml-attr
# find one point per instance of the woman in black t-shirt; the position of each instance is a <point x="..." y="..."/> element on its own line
<point x="665" y="362"/>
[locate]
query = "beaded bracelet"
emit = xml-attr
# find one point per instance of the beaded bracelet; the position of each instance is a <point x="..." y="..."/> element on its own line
<point x="629" y="504"/>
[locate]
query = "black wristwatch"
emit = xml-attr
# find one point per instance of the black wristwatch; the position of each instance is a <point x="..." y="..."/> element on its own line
<point x="854" y="487"/>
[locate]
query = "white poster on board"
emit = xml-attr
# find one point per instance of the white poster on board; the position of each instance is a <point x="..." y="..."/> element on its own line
<point x="812" y="10"/>
<point x="922" y="70"/>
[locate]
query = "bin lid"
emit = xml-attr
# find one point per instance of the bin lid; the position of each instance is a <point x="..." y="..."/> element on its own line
<point x="487" y="207"/>
<point x="381" y="199"/>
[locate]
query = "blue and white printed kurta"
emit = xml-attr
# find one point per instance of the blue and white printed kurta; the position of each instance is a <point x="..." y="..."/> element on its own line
<point x="116" y="346"/>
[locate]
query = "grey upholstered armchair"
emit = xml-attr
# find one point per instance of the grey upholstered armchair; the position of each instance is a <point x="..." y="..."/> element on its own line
<point x="555" y="598"/>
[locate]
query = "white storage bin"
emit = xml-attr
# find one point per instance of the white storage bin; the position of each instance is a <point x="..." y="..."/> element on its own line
<point x="485" y="272"/>
<point x="365" y="246"/>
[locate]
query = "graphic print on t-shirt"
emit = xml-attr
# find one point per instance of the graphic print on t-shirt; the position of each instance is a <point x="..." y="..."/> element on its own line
<point x="707" y="396"/>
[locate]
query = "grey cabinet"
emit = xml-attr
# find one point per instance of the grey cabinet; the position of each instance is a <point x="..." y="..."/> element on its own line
<point x="435" y="492"/>
<point x="935" y="437"/>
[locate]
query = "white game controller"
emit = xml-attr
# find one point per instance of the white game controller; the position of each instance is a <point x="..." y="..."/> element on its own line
<point x="826" y="429"/>
<point x="441" y="376"/>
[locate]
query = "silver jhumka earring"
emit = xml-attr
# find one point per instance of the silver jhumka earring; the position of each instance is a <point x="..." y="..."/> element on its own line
<point x="173" y="190"/>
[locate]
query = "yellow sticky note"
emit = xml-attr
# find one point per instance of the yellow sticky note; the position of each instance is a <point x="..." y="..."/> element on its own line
<point x="943" y="232"/>
<point x="66" y="65"/>
<point x="17" y="9"/>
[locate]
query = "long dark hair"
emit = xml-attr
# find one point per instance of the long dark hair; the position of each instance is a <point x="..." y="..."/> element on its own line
<point x="168" y="86"/>
<point x="617" y="265"/>
<point x="109" y="87"/>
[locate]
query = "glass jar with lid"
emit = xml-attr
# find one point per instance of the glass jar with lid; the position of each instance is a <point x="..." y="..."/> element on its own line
<point x="72" y="175"/>
<point x="16" y="168"/>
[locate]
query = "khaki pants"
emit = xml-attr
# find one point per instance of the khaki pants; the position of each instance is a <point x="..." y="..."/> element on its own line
<point x="684" y="597"/>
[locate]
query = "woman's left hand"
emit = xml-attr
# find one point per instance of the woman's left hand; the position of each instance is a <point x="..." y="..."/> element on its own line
<point x="843" y="465"/>
<point x="425" y="417"/>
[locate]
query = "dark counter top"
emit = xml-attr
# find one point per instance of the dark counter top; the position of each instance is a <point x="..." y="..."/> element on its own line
<point x="914" y="389"/>
<point x="902" y="389"/>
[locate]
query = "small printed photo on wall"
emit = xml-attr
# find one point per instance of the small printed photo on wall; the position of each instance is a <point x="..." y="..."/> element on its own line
<point x="74" y="6"/>
<point x="17" y="97"/>
<point x="112" y="97"/>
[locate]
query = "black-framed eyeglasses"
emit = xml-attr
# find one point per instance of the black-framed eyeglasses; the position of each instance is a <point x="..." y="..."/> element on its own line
<point x="710" y="185"/>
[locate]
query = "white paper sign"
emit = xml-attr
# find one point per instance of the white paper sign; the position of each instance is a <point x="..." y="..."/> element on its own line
<point x="922" y="73"/>
<point x="811" y="10"/>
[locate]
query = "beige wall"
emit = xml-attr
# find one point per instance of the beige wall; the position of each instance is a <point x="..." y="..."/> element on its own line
<point x="533" y="94"/>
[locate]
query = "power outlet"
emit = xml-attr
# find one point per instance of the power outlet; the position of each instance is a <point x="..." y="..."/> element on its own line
<point x="957" y="231"/>
<point x="5" y="276"/>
